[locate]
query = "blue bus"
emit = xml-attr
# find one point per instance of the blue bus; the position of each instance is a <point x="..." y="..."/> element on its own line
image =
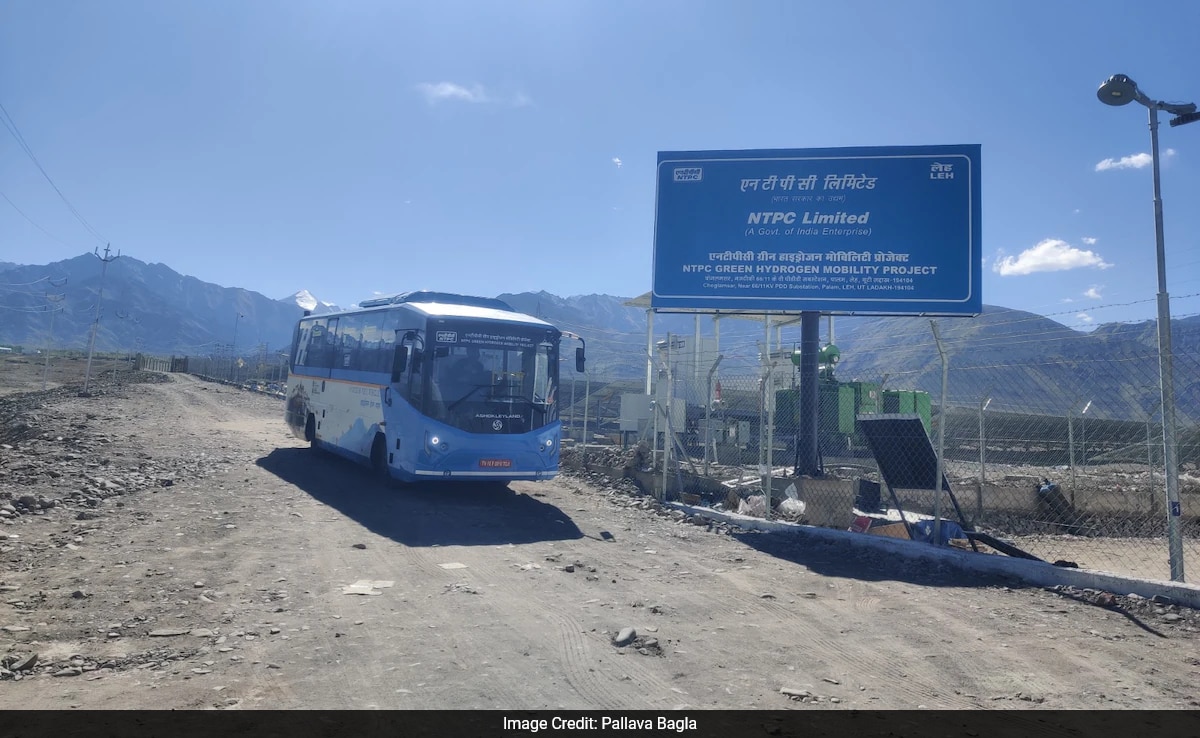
<point x="430" y="386"/>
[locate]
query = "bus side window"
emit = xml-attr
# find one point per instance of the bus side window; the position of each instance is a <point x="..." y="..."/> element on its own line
<point x="311" y="348"/>
<point x="301" y="347"/>
<point x="349" y="337"/>
<point x="377" y="343"/>
<point x="325" y="342"/>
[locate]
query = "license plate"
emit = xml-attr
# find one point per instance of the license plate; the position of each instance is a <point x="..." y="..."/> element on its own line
<point x="495" y="463"/>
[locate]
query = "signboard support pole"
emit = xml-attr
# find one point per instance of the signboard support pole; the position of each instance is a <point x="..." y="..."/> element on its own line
<point x="808" y="461"/>
<point x="649" y="351"/>
<point x="766" y="439"/>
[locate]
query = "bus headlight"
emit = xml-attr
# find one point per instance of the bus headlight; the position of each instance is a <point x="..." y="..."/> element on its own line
<point x="435" y="443"/>
<point x="547" y="444"/>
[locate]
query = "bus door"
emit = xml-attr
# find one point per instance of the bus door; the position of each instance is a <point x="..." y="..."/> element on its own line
<point x="407" y="382"/>
<point x="322" y="351"/>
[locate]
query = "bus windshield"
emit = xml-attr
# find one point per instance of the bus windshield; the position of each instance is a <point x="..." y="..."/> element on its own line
<point x="493" y="380"/>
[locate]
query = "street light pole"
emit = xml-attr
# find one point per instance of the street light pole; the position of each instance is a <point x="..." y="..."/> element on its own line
<point x="1121" y="90"/>
<point x="233" y="348"/>
<point x="1166" y="371"/>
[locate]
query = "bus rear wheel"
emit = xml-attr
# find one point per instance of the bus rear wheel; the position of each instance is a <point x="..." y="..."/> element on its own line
<point x="379" y="458"/>
<point x="310" y="431"/>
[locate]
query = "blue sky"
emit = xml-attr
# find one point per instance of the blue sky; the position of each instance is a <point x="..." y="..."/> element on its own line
<point x="363" y="146"/>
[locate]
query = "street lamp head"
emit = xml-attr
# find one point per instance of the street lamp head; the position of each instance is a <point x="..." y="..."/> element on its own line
<point x="1118" y="90"/>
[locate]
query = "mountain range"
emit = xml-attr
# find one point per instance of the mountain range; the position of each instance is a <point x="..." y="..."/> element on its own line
<point x="1020" y="359"/>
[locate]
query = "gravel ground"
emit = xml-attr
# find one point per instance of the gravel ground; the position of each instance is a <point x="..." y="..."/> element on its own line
<point x="166" y="543"/>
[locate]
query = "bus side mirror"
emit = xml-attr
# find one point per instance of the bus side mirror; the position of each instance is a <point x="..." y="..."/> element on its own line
<point x="399" y="362"/>
<point x="580" y="359"/>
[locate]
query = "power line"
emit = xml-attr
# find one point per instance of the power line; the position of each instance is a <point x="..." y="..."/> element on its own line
<point x="15" y="309"/>
<point x="39" y="280"/>
<point x="11" y="125"/>
<point x="31" y="220"/>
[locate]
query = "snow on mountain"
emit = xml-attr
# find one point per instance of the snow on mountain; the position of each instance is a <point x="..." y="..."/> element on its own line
<point x="306" y="301"/>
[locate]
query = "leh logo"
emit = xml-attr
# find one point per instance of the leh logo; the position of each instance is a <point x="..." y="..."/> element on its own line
<point x="941" y="171"/>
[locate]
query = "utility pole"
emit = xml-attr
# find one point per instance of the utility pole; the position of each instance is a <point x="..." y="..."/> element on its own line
<point x="54" y="308"/>
<point x="104" y="260"/>
<point x="233" y="348"/>
<point x="135" y="322"/>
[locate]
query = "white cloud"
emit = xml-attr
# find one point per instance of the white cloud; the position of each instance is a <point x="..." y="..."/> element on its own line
<point x="617" y="161"/>
<point x="436" y="92"/>
<point x="1088" y="241"/>
<point x="1050" y="255"/>
<point x="1084" y="318"/>
<point x="1093" y="292"/>
<point x="1077" y="211"/>
<point x="1067" y="299"/>
<point x="1133" y="161"/>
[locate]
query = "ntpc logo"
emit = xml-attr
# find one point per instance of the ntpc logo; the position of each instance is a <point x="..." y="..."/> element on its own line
<point x="447" y="336"/>
<point x="688" y="174"/>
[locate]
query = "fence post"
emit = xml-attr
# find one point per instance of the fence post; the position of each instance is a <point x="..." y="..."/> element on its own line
<point x="708" y="402"/>
<point x="941" y="449"/>
<point x="983" y="405"/>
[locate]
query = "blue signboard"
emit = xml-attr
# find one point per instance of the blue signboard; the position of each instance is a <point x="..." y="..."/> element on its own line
<point x="876" y="230"/>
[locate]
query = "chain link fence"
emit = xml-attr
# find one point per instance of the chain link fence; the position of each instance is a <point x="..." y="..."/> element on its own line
<point x="1063" y="460"/>
<point x="262" y="373"/>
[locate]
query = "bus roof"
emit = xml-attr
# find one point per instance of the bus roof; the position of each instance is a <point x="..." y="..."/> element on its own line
<point x="449" y="310"/>
<point x="431" y="296"/>
<point x="443" y="305"/>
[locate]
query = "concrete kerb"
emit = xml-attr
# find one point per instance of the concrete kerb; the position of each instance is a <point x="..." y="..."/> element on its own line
<point x="1035" y="572"/>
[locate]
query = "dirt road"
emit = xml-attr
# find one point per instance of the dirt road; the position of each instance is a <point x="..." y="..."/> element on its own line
<point x="169" y="545"/>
